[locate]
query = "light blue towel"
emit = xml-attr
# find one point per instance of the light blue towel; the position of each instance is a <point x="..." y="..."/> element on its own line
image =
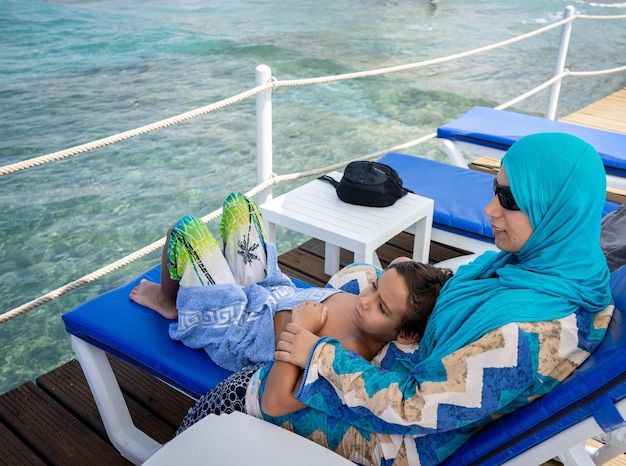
<point x="235" y="325"/>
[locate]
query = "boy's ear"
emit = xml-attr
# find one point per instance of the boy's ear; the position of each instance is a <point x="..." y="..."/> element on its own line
<point x="404" y="340"/>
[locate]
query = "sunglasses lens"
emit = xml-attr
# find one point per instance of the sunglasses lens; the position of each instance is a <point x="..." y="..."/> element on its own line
<point x="504" y="196"/>
<point x="506" y="202"/>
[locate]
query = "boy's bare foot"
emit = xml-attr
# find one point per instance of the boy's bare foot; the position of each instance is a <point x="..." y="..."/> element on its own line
<point x="149" y="294"/>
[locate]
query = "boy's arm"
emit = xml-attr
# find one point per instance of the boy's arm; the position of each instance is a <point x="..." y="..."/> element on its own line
<point x="283" y="379"/>
<point x="281" y="384"/>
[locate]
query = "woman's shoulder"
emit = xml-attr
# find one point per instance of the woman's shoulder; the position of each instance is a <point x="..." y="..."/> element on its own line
<point x="583" y="328"/>
<point x="563" y="344"/>
<point x="553" y="347"/>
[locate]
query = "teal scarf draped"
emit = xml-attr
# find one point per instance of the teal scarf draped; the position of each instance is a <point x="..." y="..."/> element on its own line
<point x="559" y="182"/>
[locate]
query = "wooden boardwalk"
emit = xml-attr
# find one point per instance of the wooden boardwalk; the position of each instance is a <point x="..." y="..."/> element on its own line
<point x="608" y="114"/>
<point x="55" y="420"/>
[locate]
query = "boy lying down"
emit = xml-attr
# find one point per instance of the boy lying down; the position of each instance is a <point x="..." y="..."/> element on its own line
<point x="233" y="300"/>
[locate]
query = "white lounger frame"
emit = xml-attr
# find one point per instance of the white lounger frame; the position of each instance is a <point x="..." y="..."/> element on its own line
<point x="132" y="443"/>
<point x="571" y="445"/>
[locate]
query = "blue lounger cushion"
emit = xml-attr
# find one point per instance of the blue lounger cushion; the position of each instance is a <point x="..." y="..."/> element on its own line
<point x="500" y="129"/>
<point x="117" y="325"/>
<point x="460" y="194"/>
<point x="591" y="390"/>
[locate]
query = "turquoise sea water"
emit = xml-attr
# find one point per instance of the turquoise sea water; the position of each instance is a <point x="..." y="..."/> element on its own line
<point x="76" y="71"/>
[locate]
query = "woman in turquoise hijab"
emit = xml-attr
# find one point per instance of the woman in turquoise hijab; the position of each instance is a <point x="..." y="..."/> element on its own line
<point x="546" y="219"/>
<point x="491" y="343"/>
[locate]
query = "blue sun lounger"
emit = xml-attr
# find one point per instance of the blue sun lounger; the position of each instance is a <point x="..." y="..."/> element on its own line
<point x="591" y="401"/>
<point x="490" y="132"/>
<point x="111" y="323"/>
<point x="460" y="196"/>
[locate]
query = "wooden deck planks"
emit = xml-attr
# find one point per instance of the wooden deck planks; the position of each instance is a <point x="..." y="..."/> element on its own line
<point x="50" y="431"/>
<point x="608" y="114"/>
<point x="67" y="386"/>
<point x="14" y="451"/>
<point x="55" y="421"/>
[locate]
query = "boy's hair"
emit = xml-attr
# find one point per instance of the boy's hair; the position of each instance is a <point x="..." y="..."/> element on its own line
<point x="424" y="282"/>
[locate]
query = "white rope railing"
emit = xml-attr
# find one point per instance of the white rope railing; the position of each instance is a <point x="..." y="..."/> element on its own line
<point x="597" y="72"/>
<point x="212" y="216"/>
<point x="273" y="84"/>
<point x="5" y="170"/>
<point x="533" y="91"/>
<point x="601" y="18"/>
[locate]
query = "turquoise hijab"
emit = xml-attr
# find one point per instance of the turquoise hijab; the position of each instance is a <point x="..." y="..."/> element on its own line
<point x="559" y="181"/>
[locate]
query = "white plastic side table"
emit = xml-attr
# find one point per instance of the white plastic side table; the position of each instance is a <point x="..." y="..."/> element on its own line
<point x="238" y="439"/>
<point x="315" y="210"/>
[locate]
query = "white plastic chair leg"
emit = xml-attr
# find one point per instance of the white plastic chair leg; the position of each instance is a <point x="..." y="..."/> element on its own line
<point x="576" y="456"/>
<point x="615" y="445"/>
<point x="132" y="443"/>
<point x="454" y="153"/>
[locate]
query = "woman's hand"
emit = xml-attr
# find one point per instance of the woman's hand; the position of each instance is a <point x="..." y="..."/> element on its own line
<point x="295" y="345"/>
<point x="309" y="315"/>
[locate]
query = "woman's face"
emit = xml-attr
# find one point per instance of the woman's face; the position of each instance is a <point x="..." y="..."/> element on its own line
<point x="511" y="228"/>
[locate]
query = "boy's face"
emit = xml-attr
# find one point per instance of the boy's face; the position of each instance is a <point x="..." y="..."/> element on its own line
<point x="380" y="307"/>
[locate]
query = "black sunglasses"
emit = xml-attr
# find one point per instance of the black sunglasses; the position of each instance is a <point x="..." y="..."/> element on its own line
<point x="505" y="196"/>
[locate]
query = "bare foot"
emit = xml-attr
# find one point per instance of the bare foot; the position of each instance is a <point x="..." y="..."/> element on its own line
<point x="149" y="294"/>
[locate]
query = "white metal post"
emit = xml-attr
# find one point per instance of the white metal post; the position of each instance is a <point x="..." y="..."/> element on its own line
<point x="263" y="132"/>
<point x="560" y="64"/>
